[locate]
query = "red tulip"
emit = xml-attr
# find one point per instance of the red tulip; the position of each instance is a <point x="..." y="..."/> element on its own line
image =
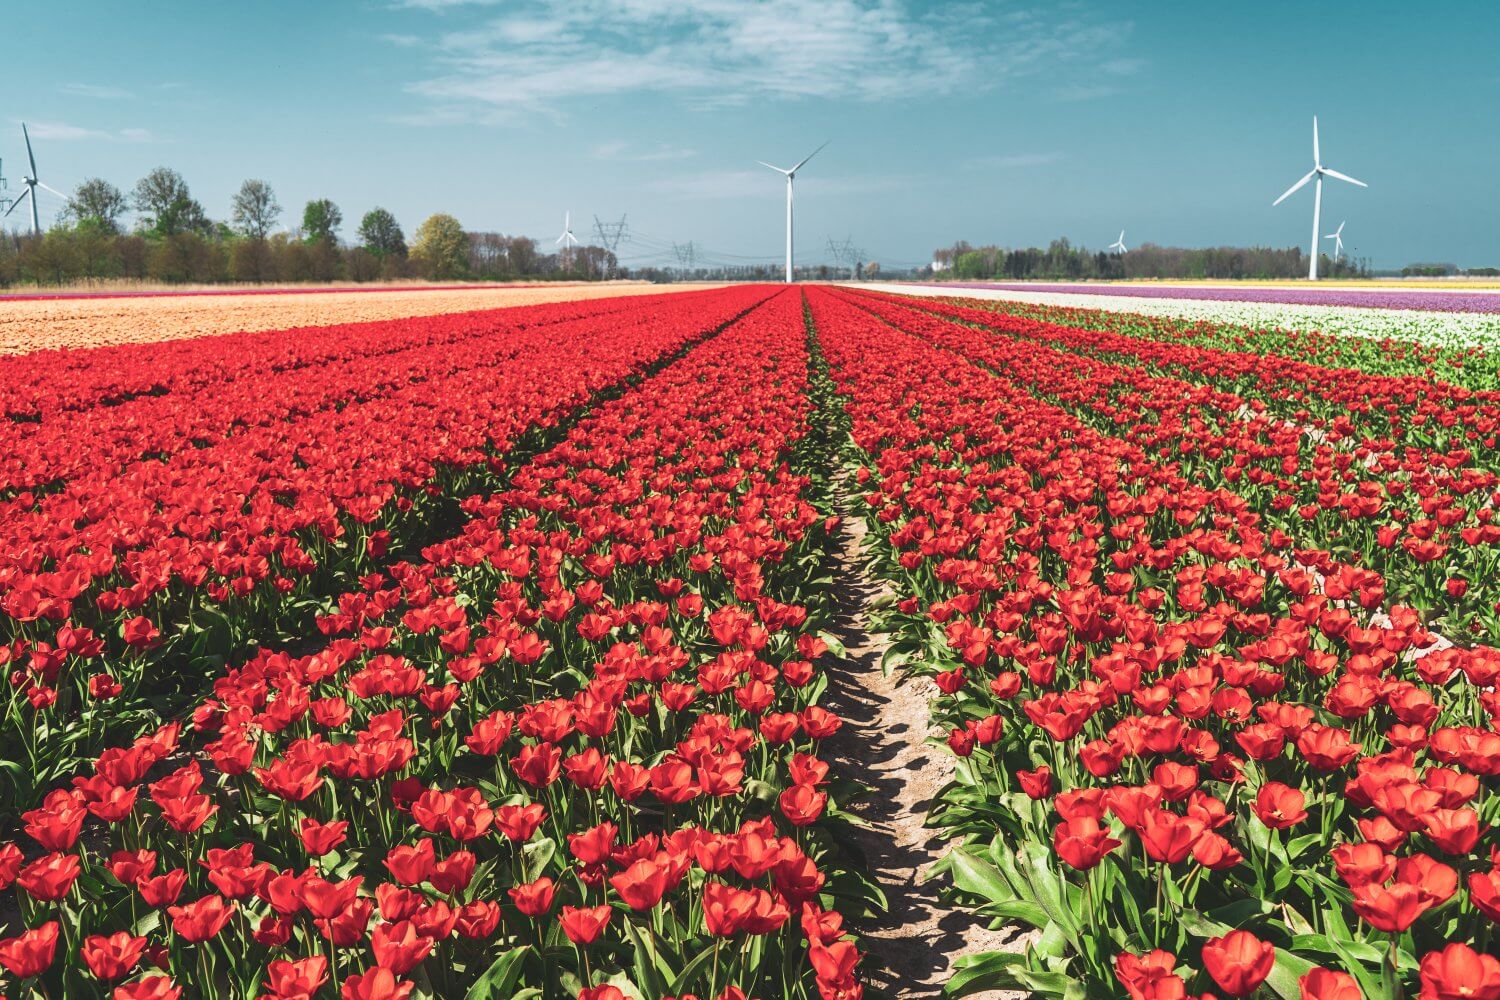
<point x="802" y="804"/>
<point x="150" y="988"/>
<point x="49" y="877"/>
<point x="1082" y="842"/>
<point x="399" y="947"/>
<point x="113" y="956"/>
<point x="1325" y="984"/>
<point x="31" y="952"/>
<point x="200" y="920"/>
<point x="1459" y="972"/>
<point x="376" y="984"/>
<point x="296" y="980"/>
<point x="583" y="925"/>
<point x="320" y="838"/>
<point x="1239" y="962"/>
<point x="1036" y="784"/>
<point x="533" y="898"/>
<point x="641" y="885"/>
<point x="1167" y="837"/>
<point x="1279" y="806"/>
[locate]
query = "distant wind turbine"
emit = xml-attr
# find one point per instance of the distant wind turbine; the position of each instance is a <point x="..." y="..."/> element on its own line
<point x="790" y="174"/>
<point x="1338" y="241"/>
<point x="1119" y="244"/>
<point x="567" y="240"/>
<point x="1316" y="174"/>
<point x="32" y="183"/>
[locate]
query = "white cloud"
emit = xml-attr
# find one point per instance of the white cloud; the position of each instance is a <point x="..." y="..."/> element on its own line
<point x="1013" y="161"/>
<point x="623" y="151"/>
<point x="718" y="53"/>
<point x="63" y="132"/>
<point x="1071" y="92"/>
<point x="96" y="91"/>
<point x="758" y="183"/>
<point x="440" y="5"/>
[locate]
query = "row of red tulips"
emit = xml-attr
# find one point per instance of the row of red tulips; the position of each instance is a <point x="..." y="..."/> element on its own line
<point x="1417" y="511"/>
<point x="572" y="751"/>
<point x="1360" y="406"/>
<point x="1184" y="756"/>
<point x="77" y="413"/>
<point x="134" y="580"/>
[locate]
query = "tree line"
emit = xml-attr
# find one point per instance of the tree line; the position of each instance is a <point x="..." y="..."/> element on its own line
<point x="1062" y="261"/>
<point x="174" y="241"/>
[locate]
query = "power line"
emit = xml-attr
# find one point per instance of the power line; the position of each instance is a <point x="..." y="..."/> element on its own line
<point x="609" y="235"/>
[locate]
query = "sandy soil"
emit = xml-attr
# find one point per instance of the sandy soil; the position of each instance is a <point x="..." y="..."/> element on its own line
<point x="911" y="949"/>
<point x="35" y="325"/>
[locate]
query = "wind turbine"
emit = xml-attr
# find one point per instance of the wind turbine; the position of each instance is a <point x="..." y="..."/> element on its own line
<point x="790" y="174"/>
<point x="567" y="239"/>
<point x="1118" y="244"/>
<point x="1338" y="241"/>
<point x="1316" y="174"/>
<point x="32" y="183"/>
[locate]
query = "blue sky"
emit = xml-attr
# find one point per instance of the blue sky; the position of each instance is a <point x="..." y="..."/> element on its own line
<point x="989" y="121"/>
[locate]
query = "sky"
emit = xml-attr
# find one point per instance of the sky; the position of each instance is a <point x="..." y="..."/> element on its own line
<point x="994" y="122"/>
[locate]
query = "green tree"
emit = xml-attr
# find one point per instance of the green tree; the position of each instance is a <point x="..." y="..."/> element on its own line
<point x="441" y="247"/>
<point x="321" y="220"/>
<point x="96" y="201"/>
<point x="381" y="234"/>
<point x="166" y="205"/>
<point x="255" y="209"/>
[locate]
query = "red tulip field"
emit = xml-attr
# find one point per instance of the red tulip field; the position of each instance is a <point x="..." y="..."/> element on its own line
<point x="508" y="654"/>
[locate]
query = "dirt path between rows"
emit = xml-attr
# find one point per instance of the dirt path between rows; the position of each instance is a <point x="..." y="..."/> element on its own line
<point x="910" y="950"/>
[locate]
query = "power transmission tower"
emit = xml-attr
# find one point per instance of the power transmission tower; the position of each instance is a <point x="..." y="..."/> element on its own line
<point x="4" y="198"/>
<point x="844" y="252"/>
<point x="687" y="253"/>
<point x="609" y="235"/>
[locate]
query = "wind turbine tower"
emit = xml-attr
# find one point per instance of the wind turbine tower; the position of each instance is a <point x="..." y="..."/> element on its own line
<point x="1316" y="174"/>
<point x="1338" y="241"/>
<point x="790" y="175"/>
<point x="567" y="240"/>
<point x="32" y="183"/>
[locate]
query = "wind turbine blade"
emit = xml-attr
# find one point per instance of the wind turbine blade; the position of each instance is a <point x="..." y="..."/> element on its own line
<point x="1317" y="157"/>
<point x="29" y="154"/>
<point x="773" y="167"/>
<point x="1344" y="177"/>
<point x="808" y="157"/>
<point x="52" y="189"/>
<point x="1289" y="191"/>
<point x="17" y="203"/>
<point x="559" y="239"/>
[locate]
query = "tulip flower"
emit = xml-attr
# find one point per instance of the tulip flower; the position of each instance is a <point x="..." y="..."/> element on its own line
<point x="1239" y="962"/>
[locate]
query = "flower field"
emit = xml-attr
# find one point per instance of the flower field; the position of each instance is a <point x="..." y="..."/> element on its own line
<point x="1335" y="334"/>
<point x="495" y="654"/>
<point x="1445" y="300"/>
<point x="51" y="321"/>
